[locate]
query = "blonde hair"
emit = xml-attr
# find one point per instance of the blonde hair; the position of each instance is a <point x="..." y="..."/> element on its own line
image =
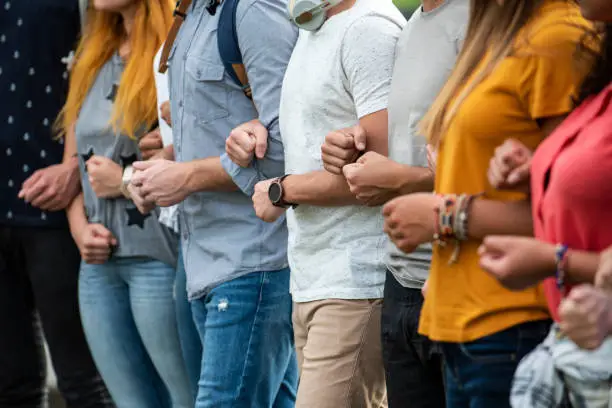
<point x="136" y="101"/>
<point x="491" y="35"/>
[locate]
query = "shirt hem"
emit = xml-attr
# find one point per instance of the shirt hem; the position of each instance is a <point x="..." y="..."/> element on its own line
<point x="205" y="289"/>
<point x="460" y="335"/>
<point x="344" y="294"/>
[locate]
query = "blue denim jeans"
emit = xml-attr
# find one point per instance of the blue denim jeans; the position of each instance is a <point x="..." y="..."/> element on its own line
<point x="479" y="374"/>
<point x="188" y="333"/>
<point x="247" y="337"/>
<point x="129" y="318"/>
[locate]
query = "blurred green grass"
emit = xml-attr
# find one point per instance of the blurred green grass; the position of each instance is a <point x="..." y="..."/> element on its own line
<point x="407" y="6"/>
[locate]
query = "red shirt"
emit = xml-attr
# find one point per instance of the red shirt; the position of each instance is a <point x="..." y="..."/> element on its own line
<point x="571" y="183"/>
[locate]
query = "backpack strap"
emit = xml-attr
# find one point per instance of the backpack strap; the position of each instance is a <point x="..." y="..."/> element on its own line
<point x="180" y="12"/>
<point x="229" y="49"/>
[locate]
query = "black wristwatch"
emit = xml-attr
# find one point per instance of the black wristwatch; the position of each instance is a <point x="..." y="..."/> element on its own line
<point x="276" y="193"/>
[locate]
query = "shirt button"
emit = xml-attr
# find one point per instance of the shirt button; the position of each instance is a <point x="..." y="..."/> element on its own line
<point x="180" y="104"/>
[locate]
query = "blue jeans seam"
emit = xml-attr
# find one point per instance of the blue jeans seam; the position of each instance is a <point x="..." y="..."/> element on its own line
<point x="241" y="387"/>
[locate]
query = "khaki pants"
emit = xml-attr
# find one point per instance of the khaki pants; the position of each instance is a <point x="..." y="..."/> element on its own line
<point x="338" y="345"/>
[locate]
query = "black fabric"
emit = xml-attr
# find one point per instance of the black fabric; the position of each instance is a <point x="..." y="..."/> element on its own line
<point x="413" y="366"/>
<point x="39" y="271"/>
<point x="35" y="35"/>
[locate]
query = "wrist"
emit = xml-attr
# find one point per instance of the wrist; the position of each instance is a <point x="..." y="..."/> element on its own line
<point x="548" y="259"/>
<point x="409" y="179"/>
<point x="126" y="179"/>
<point x="190" y="170"/>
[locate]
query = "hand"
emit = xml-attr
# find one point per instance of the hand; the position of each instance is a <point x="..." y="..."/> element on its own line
<point x="162" y="182"/>
<point x="144" y="206"/>
<point x="95" y="242"/>
<point x="264" y="208"/>
<point x="517" y="262"/>
<point x="409" y="220"/>
<point x="424" y="288"/>
<point x="342" y="147"/>
<point x="247" y="141"/>
<point x="603" y="277"/>
<point x="509" y="168"/>
<point x="151" y="144"/>
<point x="52" y="188"/>
<point x="165" y="113"/>
<point x="586" y="316"/>
<point x="373" y="178"/>
<point x="105" y="176"/>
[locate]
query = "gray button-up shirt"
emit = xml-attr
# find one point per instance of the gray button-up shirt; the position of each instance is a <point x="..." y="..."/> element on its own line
<point x="221" y="236"/>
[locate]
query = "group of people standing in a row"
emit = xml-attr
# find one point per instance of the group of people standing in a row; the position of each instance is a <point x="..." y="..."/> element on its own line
<point x="257" y="227"/>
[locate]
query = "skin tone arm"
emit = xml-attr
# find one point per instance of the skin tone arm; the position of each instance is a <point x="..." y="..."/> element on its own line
<point x="521" y="262"/>
<point x="488" y="217"/>
<point x="322" y="188"/>
<point x="409" y="220"/>
<point x="76" y="210"/>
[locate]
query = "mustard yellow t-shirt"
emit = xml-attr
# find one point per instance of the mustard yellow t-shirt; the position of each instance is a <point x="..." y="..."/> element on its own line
<point x="538" y="80"/>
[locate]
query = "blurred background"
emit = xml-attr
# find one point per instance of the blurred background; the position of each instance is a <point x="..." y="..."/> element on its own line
<point x="407" y="6"/>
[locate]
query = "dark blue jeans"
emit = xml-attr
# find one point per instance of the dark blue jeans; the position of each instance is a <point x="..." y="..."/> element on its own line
<point x="247" y="340"/>
<point x="413" y="366"/>
<point x="479" y="374"/>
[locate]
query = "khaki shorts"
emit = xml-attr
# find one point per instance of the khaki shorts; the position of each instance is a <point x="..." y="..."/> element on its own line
<point x="338" y="344"/>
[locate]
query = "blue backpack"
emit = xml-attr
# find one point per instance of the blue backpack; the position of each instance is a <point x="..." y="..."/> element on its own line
<point x="227" y="40"/>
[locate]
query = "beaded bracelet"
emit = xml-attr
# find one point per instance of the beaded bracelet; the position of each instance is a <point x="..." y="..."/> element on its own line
<point x="461" y="228"/>
<point x="561" y="258"/>
<point x="451" y="221"/>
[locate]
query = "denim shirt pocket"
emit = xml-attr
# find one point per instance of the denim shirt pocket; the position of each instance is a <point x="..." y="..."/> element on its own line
<point x="209" y="90"/>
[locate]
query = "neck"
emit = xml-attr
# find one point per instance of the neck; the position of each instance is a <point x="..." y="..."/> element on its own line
<point x="129" y="14"/>
<point x="429" y="5"/>
<point x="342" y="6"/>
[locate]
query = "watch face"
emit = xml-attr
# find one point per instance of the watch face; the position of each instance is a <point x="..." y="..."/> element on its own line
<point x="275" y="192"/>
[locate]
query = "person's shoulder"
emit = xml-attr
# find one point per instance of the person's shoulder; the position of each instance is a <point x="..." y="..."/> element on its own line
<point x="557" y="25"/>
<point x="385" y="20"/>
<point x="269" y="7"/>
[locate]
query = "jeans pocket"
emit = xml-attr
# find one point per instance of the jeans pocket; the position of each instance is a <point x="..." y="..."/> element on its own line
<point x="500" y="347"/>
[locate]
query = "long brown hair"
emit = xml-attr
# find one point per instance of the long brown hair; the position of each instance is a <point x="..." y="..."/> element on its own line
<point x="491" y="35"/>
<point x="135" y="104"/>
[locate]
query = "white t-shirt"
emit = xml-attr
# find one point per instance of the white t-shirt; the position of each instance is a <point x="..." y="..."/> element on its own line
<point x="168" y="215"/>
<point x="336" y="75"/>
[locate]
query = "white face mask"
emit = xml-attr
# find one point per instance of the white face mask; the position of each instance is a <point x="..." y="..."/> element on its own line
<point x="310" y="14"/>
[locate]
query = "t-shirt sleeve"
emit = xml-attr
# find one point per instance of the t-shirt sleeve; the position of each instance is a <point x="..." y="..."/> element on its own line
<point x="368" y="54"/>
<point x="550" y="74"/>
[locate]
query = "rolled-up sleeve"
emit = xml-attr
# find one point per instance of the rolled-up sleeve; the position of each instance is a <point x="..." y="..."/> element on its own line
<point x="266" y="38"/>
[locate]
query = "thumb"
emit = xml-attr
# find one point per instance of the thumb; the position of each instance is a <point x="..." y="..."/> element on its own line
<point x="99" y="230"/>
<point x="144" y="165"/>
<point x="519" y="174"/>
<point x="359" y="135"/>
<point x="94" y="160"/>
<point x="261" y="142"/>
<point x="350" y="170"/>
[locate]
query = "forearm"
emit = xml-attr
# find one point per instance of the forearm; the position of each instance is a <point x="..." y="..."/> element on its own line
<point x="208" y="175"/>
<point x="489" y="217"/>
<point x="76" y="216"/>
<point x="319" y="188"/>
<point x="581" y="266"/>
<point x="413" y="179"/>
